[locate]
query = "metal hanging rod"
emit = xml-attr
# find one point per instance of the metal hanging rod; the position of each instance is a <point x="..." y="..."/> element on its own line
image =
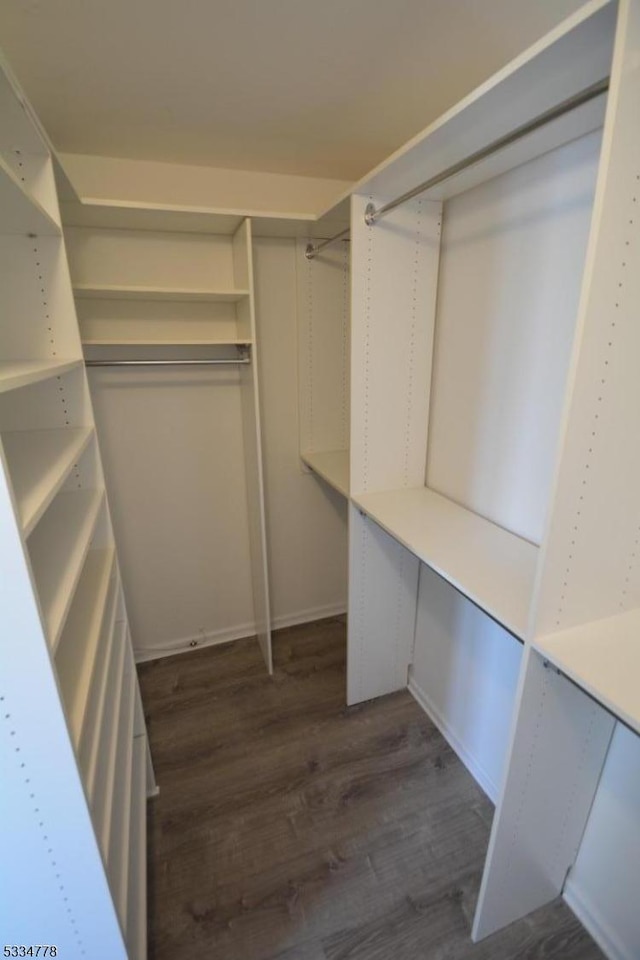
<point x="165" y="363"/>
<point x="371" y="215"/>
<point x="313" y="249"/>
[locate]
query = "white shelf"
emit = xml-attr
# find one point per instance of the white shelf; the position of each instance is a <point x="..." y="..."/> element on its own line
<point x="21" y="212"/>
<point x="119" y="834"/>
<point x="58" y="548"/>
<point x="102" y="785"/>
<point x="491" y="566"/>
<point x="602" y="657"/>
<point x="21" y="373"/>
<point x="39" y="463"/>
<point x="136" y="928"/>
<point x="112" y="292"/>
<point x="332" y="466"/>
<point x="167" y="342"/>
<point x="77" y="651"/>
<point x="93" y="737"/>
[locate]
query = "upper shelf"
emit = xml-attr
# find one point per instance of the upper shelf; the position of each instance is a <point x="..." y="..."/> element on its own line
<point x="332" y="466"/>
<point x="112" y="292"/>
<point x="21" y="212"/>
<point x="602" y="657"/>
<point x="21" y="373"/>
<point x="494" y="568"/>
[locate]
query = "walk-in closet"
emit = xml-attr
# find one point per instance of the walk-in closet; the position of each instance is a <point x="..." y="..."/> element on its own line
<point x="320" y="559"/>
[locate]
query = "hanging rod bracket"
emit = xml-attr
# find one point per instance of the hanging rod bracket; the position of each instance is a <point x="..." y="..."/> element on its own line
<point x="369" y="214"/>
<point x="313" y="249"/>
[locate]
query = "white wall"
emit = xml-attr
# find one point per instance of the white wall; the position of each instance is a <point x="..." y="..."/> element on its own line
<point x="306" y="520"/>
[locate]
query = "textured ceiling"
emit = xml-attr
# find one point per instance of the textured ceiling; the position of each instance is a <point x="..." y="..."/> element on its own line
<point x="323" y="88"/>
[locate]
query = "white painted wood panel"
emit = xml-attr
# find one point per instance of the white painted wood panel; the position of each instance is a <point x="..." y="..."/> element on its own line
<point x="591" y="567"/>
<point x="394" y="267"/>
<point x="558" y="746"/>
<point x="464" y="673"/>
<point x="492" y="567"/>
<point x="511" y="266"/>
<point x="383" y="585"/>
<point x="252" y="434"/>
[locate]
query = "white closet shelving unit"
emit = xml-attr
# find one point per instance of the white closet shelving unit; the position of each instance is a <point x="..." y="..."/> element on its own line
<point x="323" y="309"/>
<point x="494" y="398"/>
<point x="69" y="690"/>
<point x="158" y="286"/>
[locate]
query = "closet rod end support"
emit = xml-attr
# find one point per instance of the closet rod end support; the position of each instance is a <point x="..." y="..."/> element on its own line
<point x="370" y="215"/>
<point x="310" y="251"/>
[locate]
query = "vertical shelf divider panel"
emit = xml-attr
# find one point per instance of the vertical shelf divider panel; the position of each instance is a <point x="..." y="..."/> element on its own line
<point x="589" y="569"/>
<point x="250" y="394"/>
<point x="394" y="272"/>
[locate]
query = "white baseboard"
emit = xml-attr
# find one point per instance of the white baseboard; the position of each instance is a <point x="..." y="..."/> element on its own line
<point x="209" y="639"/>
<point x="308" y="615"/>
<point x="476" y="769"/>
<point x="239" y="632"/>
<point x="592" y="920"/>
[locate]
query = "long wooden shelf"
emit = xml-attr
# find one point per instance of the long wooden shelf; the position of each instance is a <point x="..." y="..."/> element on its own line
<point x="21" y="212"/>
<point x="22" y="373"/>
<point x="332" y="466"/>
<point x="77" y="651"/>
<point x="602" y="657"/>
<point x="39" y="463"/>
<point x="491" y="566"/>
<point x="113" y="292"/>
<point x="58" y="548"/>
<point x="136" y="928"/>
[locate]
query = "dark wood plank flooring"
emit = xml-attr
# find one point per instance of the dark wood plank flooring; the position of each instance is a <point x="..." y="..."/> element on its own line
<point x="290" y="827"/>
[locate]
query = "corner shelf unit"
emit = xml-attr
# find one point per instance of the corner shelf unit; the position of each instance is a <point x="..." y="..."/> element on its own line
<point x="332" y="466"/>
<point x="59" y="586"/>
<point x="174" y="307"/>
<point x="493" y="434"/>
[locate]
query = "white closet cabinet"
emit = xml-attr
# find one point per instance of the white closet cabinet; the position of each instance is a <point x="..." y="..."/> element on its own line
<point x="494" y="441"/>
<point x="75" y="760"/>
<point x="166" y="313"/>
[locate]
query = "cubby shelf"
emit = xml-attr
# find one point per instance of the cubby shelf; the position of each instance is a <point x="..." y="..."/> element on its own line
<point x="22" y="373"/>
<point x="102" y="786"/>
<point x="123" y="801"/>
<point x="136" y="929"/>
<point x="602" y="657"/>
<point x="77" y="651"/>
<point x="58" y="548"/>
<point x="494" y="568"/>
<point x="21" y="212"/>
<point x="39" y="463"/>
<point x="113" y="292"/>
<point x="120" y="776"/>
<point x="93" y="737"/>
<point x="332" y="466"/>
